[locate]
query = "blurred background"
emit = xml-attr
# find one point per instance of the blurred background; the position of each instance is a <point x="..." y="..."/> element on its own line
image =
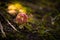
<point x="41" y="20"/>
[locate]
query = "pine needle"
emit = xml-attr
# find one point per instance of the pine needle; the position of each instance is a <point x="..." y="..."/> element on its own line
<point x="8" y="22"/>
<point x="1" y="28"/>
